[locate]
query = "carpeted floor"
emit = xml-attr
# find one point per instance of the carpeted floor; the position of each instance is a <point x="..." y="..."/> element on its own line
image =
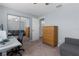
<point x="37" y="48"/>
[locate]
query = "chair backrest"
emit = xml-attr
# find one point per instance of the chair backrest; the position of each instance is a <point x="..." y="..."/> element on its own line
<point x="1" y="27"/>
<point x="21" y="27"/>
<point x="20" y="37"/>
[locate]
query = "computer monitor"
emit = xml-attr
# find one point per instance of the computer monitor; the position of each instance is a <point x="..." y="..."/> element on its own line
<point x="3" y="35"/>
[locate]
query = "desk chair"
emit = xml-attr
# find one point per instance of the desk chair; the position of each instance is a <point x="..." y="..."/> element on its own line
<point x="17" y="50"/>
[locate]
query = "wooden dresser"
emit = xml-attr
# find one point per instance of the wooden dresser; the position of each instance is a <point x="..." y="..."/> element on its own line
<point x="50" y="35"/>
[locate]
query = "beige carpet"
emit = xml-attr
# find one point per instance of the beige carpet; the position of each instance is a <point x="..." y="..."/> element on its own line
<point x="37" y="48"/>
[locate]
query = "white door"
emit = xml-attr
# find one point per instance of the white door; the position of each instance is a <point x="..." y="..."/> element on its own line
<point x="35" y="29"/>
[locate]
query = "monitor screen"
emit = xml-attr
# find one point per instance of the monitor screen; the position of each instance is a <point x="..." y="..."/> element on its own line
<point x="3" y="35"/>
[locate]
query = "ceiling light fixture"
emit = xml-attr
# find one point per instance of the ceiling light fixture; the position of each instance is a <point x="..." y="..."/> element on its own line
<point x="58" y="6"/>
<point x="43" y="3"/>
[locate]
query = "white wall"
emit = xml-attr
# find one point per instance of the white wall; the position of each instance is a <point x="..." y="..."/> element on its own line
<point x="67" y="20"/>
<point x="0" y="18"/>
<point x="35" y="29"/>
<point x="3" y="17"/>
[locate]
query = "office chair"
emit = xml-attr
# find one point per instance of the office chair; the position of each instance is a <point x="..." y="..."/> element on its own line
<point x="17" y="50"/>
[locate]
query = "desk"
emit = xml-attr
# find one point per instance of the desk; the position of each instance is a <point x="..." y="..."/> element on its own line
<point x="13" y="42"/>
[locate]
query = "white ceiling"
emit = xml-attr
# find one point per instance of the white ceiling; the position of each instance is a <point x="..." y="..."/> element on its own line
<point x="37" y="10"/>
